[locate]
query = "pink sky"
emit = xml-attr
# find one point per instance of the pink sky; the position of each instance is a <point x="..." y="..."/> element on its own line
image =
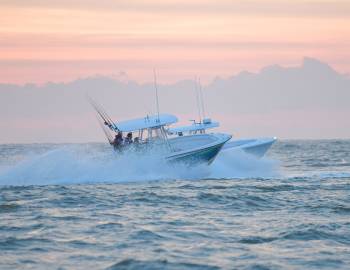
<point x="62" y="40"/>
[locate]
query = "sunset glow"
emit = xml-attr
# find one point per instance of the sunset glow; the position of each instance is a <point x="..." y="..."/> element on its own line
<point x="62" y="40"/>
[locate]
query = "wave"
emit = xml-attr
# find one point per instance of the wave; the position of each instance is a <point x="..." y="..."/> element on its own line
<point x="158" y="264"/>
<point x="317" y="175"/>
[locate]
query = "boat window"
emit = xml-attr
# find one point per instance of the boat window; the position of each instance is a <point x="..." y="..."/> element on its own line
<point x="152" y="134"/>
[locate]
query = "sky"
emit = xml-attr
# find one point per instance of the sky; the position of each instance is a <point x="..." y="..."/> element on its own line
<point x="268" y="67"/>
<point x="62" y="40"/>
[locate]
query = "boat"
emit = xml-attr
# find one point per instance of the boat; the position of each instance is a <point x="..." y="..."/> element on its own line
<point x="253" y="146"/>
<point x="148" y="135"/>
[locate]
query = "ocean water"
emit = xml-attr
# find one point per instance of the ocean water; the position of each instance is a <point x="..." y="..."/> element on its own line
<point x="80" y="206"/>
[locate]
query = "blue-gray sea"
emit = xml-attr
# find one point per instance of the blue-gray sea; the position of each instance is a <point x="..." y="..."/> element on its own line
<point x="80" y="206"/>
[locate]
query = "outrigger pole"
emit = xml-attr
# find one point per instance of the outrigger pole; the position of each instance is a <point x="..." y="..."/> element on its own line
<point x="156" y="88"/>
<point x="197" y="99"/>
<point x="201" y="96"/>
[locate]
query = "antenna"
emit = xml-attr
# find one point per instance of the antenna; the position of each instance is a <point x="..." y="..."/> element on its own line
<point x="201" y="97"/>
<point x="197" y="99"/>
<point x="156" y="88"/>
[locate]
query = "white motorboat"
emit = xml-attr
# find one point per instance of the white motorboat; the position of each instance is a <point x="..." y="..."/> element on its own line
<point x="151" y="135"/>
<point x="148" y="135"/>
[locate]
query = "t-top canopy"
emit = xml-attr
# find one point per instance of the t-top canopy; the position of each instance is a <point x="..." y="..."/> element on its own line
<point x="195" y="127"/>
<point x="146" y="122"/>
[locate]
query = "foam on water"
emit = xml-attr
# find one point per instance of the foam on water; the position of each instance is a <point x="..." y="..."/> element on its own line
<point x="88" y="163"/>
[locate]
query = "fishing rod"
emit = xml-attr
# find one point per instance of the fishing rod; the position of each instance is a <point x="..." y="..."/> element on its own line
<point x="102" y="110"/>
<point x="101" y="113"/>
<point x="105" y="131"/>
<point x="104" y="120"/>
<point x="105" y="117"/>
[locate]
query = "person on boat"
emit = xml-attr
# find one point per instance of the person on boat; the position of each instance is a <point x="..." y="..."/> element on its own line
<point x="137" y="144"/>
<point x="118" y="140"/>
<point x="128" y="139"/>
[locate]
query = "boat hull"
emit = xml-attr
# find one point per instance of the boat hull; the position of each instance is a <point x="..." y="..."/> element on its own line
<point x="204" y="154"/>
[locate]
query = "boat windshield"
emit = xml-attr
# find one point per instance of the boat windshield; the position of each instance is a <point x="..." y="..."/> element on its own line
<point x="152" y="134"/>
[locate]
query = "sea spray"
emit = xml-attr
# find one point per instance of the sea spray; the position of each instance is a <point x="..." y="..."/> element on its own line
<point x="73" y="164"/>
<point x="95" y="163"/>
<point x="238" y="164"/>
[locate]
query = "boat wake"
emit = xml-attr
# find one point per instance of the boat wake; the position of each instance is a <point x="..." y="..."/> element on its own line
<point x="73" y="164"/>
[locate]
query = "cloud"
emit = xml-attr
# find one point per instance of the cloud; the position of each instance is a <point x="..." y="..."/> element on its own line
<point x="314" y="8"/>
<point x="310" y="101"/>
